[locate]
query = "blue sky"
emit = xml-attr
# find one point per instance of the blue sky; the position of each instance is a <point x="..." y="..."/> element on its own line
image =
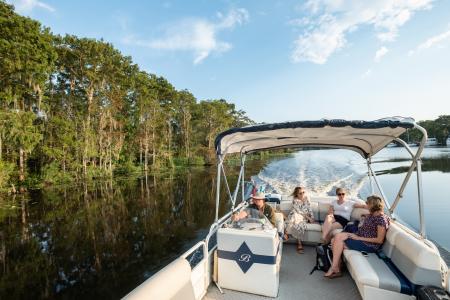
<point x="280" y="60"/>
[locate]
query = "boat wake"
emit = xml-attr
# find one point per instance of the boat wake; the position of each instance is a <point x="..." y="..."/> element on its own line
<point x="319" y="171"/>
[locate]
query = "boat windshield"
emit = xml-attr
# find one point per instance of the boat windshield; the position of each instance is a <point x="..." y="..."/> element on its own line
<point x="255" y="220"/>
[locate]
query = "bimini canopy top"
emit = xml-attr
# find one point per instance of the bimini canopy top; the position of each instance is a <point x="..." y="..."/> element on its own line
<point x="365" y="137"/>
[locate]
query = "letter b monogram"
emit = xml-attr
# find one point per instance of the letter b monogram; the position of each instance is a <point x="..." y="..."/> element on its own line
<point x="245" y="257"/>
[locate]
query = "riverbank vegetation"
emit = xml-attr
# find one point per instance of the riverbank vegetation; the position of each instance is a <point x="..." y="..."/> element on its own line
<point x="438" y="128"/>
<point x="75" y="108"/>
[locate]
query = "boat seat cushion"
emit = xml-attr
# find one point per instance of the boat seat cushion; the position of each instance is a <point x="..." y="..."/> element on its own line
<point x="319" y="208"/>
<point x="372" y="271"/>
<point x="405" y="262"/>
<point x="419" y="262"/>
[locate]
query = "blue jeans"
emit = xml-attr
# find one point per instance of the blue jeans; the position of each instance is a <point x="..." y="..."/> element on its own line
<point x="359" y="246"/>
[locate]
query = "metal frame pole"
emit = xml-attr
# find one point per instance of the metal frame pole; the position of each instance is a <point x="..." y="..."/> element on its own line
<point x="226" y="183"/>
<point x="369" y="161"/>
<point x="420" y="195"/>
<point x="415" y="164"/>
<point x="219" y="163"/>
<point x="386" y="202"/>
<point x="407" y="177"/>
<point x="243" y="156"/>
<point x="236" y="190"/>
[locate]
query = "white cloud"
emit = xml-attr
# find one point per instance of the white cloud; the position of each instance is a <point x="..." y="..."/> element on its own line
<point x="26" y="6"/>
<point x="435" y="40"/>
<point x="196" y="35"/>
<point x="380" y="53"/>
<point x="327" y="22"/>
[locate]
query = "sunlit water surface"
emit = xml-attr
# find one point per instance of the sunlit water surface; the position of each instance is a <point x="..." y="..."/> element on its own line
<point x="99" y="241"/>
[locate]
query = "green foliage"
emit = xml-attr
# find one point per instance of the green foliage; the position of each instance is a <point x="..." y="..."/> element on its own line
<point x="6" y="171"/>
<point x="439" y="129"/>
<point x="76" y="108"/>
<point x="52" y="174"/>
<point x="197" y="161"/>
<point x="126" y="168"/>
<point x="21" y="131"/>
<point x="26" y="59"/>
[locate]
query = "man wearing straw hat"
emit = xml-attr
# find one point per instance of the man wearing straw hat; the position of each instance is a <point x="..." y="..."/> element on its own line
<point x="264" y="209"/>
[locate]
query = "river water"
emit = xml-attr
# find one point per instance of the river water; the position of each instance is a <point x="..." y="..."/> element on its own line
<point x="101" y="240"/>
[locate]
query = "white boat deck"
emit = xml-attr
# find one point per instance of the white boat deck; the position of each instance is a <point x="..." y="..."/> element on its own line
<point x="296" y="283"/>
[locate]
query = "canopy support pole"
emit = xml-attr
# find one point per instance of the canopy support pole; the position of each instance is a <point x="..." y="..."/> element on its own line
<point x="369" y="161"/>
<point x="416" y="164"/>
<point x="420" y="196"/>
<point x="243" y="156"/>
<point x="386" y="202"/>
<point x="407" y="177"/>
<point x="219" y="164"/>
<point x="236" y="190"/>
<point x="226" y="183"/>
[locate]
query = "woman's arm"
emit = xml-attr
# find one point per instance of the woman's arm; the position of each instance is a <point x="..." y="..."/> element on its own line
<point x="360" y="205"/>
<point x="381" y="234"/>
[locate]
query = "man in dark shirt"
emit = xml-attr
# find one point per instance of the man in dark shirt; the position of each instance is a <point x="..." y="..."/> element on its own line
<point x="260" y="205"/>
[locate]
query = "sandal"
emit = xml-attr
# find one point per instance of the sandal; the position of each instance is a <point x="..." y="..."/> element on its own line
<point x="300" y="249"/>
<point x="335" y="275"/>
<point x="332" y="272"/>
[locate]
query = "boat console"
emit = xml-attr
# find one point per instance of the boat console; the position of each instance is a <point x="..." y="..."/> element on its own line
<point x="249" y="255"/>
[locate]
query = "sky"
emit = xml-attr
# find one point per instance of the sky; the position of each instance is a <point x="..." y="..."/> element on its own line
<point x="280" y="60"/>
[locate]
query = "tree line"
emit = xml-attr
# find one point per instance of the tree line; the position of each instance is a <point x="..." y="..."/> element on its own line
<point x="438" y="128"/>
<point x="75" y="108"/>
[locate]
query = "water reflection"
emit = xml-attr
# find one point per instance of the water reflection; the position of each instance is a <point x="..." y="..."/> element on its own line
<point x="428" y="164"/>
<point x="100" y="240"/>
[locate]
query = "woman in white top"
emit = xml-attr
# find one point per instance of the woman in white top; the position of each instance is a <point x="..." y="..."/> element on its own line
<point x="338" y="214"/>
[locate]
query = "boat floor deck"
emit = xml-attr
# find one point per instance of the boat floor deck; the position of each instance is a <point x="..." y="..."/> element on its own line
<point x="296" y="283"/>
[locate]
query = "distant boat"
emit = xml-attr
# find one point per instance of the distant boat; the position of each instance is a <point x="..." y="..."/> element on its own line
<point x="393" y="144"/>
<point x="431" y="142"/>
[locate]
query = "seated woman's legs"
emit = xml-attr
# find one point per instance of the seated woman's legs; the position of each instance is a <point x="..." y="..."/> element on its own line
<point x="328" y="226"/>
<point x="338" y="245"/>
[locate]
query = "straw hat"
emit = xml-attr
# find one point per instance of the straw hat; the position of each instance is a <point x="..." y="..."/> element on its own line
<point x="259" y="195"/>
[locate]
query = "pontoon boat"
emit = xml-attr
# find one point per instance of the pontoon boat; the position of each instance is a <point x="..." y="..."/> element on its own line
<point x="250" y="261"/>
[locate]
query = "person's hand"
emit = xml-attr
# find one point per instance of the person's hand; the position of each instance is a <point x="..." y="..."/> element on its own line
<point x="353" y="236"/>
<point x="330" y="210"/>
<point x="234" y="217"/>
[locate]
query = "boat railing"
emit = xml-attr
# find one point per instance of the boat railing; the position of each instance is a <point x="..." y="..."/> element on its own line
<point x="198" y="260"/>
<point x="190" y="272"/>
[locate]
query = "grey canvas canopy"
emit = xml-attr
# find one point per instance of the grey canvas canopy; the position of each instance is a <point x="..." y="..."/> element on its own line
<point x="365" y="137"/>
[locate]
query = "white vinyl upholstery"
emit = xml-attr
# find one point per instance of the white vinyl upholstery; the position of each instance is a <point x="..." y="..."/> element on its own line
<point x="240" y="265"/>
<point x="319" y="207"/>
<point x="415" y="261"/>
<point x="420" y="263"/>
<point x="173" y="282"/>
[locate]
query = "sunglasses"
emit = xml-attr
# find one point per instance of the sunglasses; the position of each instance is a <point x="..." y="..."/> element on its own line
<point x="341" y="194"/>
